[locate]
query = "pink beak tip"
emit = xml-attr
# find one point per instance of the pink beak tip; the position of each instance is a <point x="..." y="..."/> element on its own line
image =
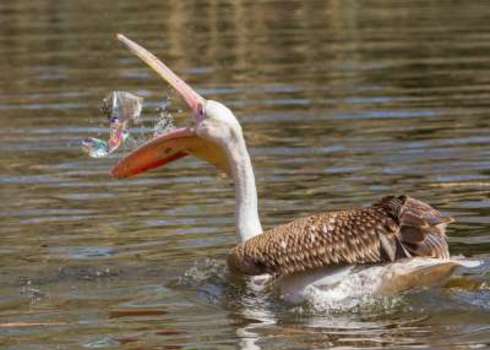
<point x="120" y="37"/>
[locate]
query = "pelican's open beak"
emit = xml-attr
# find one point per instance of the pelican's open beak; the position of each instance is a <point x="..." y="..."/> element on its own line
<point x="178" y="143"/>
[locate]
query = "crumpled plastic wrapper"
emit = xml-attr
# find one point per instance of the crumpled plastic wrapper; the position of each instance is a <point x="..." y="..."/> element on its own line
<point x="121" y="107"/>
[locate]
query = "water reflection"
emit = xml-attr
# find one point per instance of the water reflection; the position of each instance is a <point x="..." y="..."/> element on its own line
<point x="341" y="102"/>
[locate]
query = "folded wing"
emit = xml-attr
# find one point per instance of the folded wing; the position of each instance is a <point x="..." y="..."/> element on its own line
<point x="391" y="229"/>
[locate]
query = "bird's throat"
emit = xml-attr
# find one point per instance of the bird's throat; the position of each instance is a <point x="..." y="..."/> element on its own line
<point x="247" y="220"/>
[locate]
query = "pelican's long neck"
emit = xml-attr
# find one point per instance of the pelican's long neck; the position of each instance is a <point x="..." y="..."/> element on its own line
<point x="247" y="220"/>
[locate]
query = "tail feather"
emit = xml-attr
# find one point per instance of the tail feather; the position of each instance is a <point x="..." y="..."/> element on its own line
<point x="422" y="228"/>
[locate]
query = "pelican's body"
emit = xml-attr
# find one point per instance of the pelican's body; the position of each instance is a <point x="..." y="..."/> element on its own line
<point x="392" y="229"/>
<point x="400" y="240"/>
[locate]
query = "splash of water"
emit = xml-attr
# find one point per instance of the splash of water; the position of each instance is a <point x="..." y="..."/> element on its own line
<point x="203" y="272"/>
<point x="165" y="122"/>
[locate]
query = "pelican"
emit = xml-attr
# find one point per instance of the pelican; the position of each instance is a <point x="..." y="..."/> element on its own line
<point x="399" y="241"/>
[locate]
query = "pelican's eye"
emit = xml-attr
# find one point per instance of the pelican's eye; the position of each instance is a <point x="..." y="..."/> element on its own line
<point x="200" y="111"/>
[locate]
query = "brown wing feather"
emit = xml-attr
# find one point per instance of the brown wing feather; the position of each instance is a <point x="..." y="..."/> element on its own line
<point x="393" y="228"/>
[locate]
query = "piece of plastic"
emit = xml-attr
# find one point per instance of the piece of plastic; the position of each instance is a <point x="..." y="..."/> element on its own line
<point x="121" y="107"/>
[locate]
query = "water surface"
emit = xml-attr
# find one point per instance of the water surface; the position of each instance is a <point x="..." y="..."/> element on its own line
<point x="342" y="102"/>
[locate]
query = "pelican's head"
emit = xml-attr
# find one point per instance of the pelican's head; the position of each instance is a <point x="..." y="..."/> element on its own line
<point x="214" y="127"/>
<point x="218" y="124"/>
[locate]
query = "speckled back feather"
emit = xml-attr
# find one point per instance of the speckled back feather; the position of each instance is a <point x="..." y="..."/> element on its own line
<point x="391" y="229"/>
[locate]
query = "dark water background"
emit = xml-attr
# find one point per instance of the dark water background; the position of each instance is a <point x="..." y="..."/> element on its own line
<point x="342" y="102"/>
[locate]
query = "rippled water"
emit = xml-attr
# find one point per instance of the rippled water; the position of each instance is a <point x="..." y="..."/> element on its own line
<point x="342" y="102"/>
